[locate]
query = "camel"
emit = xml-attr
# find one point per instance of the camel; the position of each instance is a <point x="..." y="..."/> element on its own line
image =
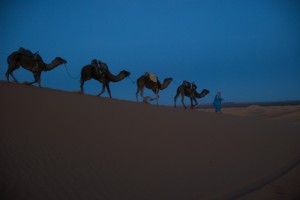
<point x="30" y="62"/>
<point x="189" y="92"/>
<point x="104" y="77"/>
<point x="144" y="81"/>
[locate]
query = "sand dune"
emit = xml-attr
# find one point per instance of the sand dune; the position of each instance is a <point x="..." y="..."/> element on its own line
<point x="64" y="145"/>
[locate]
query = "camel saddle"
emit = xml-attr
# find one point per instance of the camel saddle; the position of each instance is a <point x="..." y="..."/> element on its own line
<point x="35" y="56"/>
<point x="28" y="53"/>
<point x="152" y="77"/>
<point x="99" y="66"/>
<point x="189" y="85"/>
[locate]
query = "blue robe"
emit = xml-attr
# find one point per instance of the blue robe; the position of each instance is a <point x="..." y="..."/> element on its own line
<point x="218" y="102"/>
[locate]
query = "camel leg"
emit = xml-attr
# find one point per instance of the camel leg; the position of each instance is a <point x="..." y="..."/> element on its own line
<point x="137" y="95"/>
<point x="156" y="94"/>
<point x="12" y="75"/>
<point x="7" y="75"/>
<point x="81" y="86"/>
<point x="196" y="102"/>
<point x="108" y="90"/>
<point x="37" y="79"/>
<point x="10" y="72"/>
<point x="175" y="98"/>
<point x="141" y="91"/>
<point x="182" y="101"/>
<point x="103" y="90"/>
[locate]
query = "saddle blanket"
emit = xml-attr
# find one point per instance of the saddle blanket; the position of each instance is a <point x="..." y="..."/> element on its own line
<point x="151" y="76"/>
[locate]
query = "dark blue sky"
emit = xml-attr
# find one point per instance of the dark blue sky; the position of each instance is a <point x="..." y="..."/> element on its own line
<point x="250" y="50"/>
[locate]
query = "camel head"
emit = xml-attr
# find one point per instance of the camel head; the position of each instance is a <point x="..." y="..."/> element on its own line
<point x="126" y="73"/>
<point x="205" y="91"/>
<point x="61" y="60"/>
<point x="199" y="95"/>
<point x="56" y="62"/>
<point x="168" y="79"/>
<point x="166" y="83"/>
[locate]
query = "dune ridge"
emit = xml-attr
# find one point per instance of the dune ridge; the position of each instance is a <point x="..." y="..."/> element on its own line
<point x="63" y="145"/>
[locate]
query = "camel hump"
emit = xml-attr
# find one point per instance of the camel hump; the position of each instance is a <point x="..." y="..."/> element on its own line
<point x="151" y="76"/>
<point x="25" y="52"/>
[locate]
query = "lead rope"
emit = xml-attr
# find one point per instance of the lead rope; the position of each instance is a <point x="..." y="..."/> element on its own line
<point x="69" y="74"/>
<point x="132" y="81"/>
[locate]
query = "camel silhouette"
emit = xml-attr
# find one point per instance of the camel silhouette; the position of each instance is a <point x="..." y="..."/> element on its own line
<point x="103" y="76"/>
<point x="31" y="62"/>
<point x="190" y="92"/>
<point x="155" y="86"/>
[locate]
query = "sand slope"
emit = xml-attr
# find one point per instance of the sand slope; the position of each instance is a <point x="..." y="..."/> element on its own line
<point x="63" y="145"/>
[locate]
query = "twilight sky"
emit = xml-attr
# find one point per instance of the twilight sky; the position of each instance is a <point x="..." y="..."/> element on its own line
<point x="250" y="50"/>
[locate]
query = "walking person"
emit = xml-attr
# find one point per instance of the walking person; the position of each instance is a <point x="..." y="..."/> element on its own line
<point x="218" y="102"/>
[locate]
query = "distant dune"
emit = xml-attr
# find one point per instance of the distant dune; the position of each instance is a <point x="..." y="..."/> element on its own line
<point x="289" y="113"/>
<point x="246" y="104"/>
<point x="64" y="145"/>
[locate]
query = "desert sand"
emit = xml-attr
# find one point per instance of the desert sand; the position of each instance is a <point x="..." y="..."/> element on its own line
<point x="64" y="145"/>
